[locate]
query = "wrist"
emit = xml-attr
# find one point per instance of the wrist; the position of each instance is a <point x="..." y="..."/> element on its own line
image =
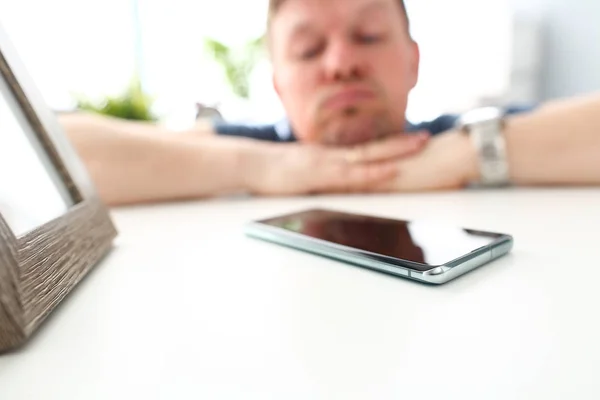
<point x="253" y="165"/>
<point x="218" y="165"/>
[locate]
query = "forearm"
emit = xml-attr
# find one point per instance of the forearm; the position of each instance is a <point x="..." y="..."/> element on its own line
<point x="134" y="163"/>
<point x="559" y="144"/>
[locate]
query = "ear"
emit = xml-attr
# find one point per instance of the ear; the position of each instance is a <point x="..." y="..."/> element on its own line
<point x="415" y="62"/>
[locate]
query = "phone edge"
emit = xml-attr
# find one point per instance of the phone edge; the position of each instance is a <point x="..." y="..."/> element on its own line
<point x="436" y="275"/>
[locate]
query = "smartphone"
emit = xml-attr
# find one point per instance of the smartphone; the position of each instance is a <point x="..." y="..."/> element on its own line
<point x="418" y="250"/>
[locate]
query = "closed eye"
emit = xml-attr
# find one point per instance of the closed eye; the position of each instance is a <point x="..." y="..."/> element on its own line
<point x="312" y="51"/>
<point x="369" y="39"/>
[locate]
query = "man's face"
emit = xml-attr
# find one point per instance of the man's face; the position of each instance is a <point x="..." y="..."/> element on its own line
<point x="343" y="68"/>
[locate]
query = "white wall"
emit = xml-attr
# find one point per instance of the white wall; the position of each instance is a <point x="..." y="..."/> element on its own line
<point x="571" y="45"/>
<point x="465" y="54"/>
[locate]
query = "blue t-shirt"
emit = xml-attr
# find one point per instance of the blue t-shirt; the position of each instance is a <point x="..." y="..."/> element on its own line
<point x="282" y="132"/>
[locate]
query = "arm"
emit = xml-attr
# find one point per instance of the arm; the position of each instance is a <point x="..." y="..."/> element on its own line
<point x="557" y="144"/>
<point x="132" y="162"/>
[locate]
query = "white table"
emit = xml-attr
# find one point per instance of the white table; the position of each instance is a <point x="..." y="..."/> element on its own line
<point x="187" y="307"/>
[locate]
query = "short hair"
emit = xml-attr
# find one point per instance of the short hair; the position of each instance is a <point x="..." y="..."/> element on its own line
<point x="274" y="6"/>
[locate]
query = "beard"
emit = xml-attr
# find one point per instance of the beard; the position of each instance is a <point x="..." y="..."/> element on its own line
<point x="365" y="115"/>
<point x="356" y="124"/>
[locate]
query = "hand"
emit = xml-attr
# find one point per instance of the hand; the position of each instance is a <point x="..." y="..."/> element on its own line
<point x="448" y="162"/>
<point x="296" y="169"/>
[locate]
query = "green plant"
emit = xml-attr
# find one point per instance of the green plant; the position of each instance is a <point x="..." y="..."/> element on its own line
<point x="237" y="67"/>
<point x="132" y="104"/>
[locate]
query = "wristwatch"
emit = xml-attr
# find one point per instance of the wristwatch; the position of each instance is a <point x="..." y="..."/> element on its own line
<point x="485" y="126"/>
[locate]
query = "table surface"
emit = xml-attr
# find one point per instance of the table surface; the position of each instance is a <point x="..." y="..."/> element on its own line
<point x="187" y="307"/>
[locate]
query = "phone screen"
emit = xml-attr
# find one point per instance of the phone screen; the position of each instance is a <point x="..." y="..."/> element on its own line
<point x="415" y="241"/>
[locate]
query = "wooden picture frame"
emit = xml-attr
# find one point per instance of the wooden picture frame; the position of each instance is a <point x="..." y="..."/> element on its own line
<point x="40" y="268"/>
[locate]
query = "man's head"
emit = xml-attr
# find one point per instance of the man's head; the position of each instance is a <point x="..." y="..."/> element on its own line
<point x="342" y="68"/>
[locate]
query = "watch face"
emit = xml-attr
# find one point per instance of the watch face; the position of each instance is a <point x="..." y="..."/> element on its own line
<point x="480" y="115"/>
<point x="489" y="151"/>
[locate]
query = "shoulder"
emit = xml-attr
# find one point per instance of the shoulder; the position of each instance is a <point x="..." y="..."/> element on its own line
<point x="435" y="126"/>
<point x="278" y="132"/>
<point x="446" y="122"/>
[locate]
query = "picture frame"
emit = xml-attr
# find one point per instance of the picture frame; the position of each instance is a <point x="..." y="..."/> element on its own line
<point x="39" y="268"/>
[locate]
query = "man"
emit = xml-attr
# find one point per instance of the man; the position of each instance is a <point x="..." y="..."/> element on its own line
<point x="343" y="70"/>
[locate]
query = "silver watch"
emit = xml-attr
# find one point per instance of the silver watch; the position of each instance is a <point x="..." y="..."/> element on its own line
<point x="485" y="126"/>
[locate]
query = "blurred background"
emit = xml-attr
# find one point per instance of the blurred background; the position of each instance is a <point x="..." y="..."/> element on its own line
<point x="182" y="55"/>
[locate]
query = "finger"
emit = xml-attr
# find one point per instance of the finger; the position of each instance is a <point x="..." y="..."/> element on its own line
<point x="383" y="187"/>
<point x="394" y="147"/>
<point x="358" y="177"/>
<point x="386" y="187"/>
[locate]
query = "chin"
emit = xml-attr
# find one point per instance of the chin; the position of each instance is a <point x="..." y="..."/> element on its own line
<point x="355" y="124"/>
<point x="353" y="131"/>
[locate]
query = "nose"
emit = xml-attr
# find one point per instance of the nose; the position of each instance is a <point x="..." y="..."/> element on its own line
<point x="344" y="62"/>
